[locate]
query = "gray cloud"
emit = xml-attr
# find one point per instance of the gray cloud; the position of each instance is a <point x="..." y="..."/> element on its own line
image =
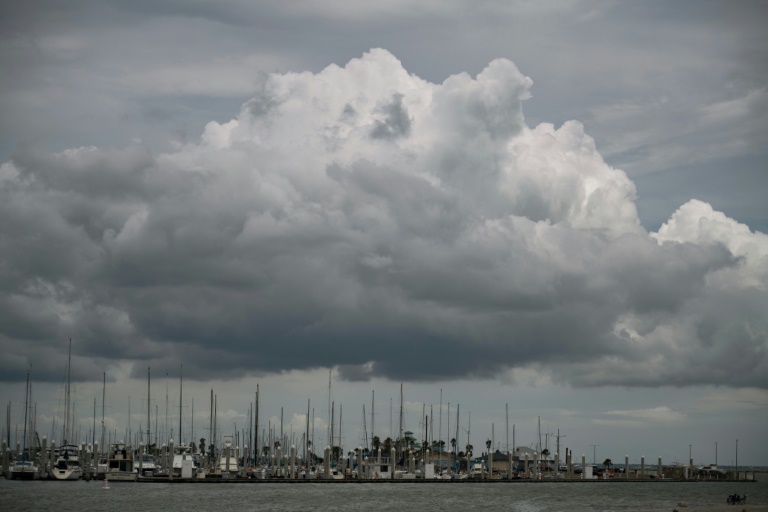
<point x="396" y="122"/>
<point x="291" y="238"/>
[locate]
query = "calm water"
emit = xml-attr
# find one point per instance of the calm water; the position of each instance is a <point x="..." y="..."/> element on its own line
<point x="518" y="497"/>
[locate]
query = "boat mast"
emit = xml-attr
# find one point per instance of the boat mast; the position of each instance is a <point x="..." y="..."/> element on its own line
<point x="306" y="440"/>
<point x="341" y="412"/>
<point x="149" y="414"/>
<point x="26" y="410"/>
<point x="506" y="407"/>
<point x="256" y="425"/>
<point x="103" y="395"/>
<point x="210" y="426"/>
<point x="67" y="395"/>
<point x="192" y="419"/>
<point x="373" y="424"/>
<point x="400" y="437"/>
<point x="440" y="431"/>
<point x="166" y="409"/>
<point x="181" y="389"/>
<point x="330" y="413"/>
<point x="8" y="425"/>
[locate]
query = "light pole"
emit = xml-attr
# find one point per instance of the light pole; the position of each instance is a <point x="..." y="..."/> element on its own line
<point x="594" y="453"/>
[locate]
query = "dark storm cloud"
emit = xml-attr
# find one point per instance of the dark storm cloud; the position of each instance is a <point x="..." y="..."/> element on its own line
<point x="291" y="238"/>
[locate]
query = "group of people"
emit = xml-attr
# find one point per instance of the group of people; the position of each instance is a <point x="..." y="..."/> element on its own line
<point x="735" y="499"/>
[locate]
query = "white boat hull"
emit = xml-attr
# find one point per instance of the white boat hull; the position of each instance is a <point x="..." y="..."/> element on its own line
<point x="71" y="473"/>
<point x="26" y="472"/>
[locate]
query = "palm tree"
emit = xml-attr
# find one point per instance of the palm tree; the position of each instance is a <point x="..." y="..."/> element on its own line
<point x="607" y="463"/>
<point x="453" y="444"/>
<point x="545" y="457"/>
<point x="488" y="445"/>
<point x="376" y="442"/>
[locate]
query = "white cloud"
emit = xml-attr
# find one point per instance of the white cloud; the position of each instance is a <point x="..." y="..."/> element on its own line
<point x="697" y="222"/>
<point x="365" y="209"/>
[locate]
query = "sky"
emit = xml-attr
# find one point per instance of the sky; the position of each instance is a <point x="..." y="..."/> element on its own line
<point x="551" y="208"/>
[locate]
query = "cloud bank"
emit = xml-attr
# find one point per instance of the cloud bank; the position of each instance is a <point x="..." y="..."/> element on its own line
<point x="364" y="218"/>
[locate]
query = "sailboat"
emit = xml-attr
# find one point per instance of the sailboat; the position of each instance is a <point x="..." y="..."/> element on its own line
<point x="24" y="468"/>
<point x="67" y="465"/>
<point x="145" y="465"/>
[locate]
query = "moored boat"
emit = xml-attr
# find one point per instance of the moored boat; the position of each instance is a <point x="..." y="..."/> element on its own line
<point x="120" y="465"/>
<point x="228" y="464"/>
<point x="146" y="465"/>
<point x="67" y="465"/>
<point x="23" y="470"/>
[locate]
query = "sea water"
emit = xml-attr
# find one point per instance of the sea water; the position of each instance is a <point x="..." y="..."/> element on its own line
<point x="82" y="496"/>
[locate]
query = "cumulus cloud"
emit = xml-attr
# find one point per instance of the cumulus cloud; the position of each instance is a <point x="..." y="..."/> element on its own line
<point x="364" y="218"/>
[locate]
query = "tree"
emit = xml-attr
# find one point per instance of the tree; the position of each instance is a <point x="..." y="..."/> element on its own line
<point x="202" y="445"/>
<point x="488" y="445"/>
<point x="376" y="442"/>
<point x="608" y="463"/>
<point x="453" y="444"/>
<point x="545" y="458"/>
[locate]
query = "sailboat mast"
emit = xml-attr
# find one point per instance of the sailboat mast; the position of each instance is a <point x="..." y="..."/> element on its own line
<point x="210" y="425"/>
<point x="192" y="419"/>
<point x="67" y="396"/>
<point x="306" y="440"/>
<point x="341" y="412"/>
<point x="539" y="448"/>
<point x="440" y="431"/>
<point x="400" y="436"/>
<point x="103" y="396"/>
<point x="181" y="390"/>
<point x="330" y="414"/>
<point x="26" y="411"/>
<point x="256" y="424"/>
<point x="149" y="414"/>
<point x="373" y="424"/>
<point x="166" y="409"/>
<point x="506" y="407"/>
